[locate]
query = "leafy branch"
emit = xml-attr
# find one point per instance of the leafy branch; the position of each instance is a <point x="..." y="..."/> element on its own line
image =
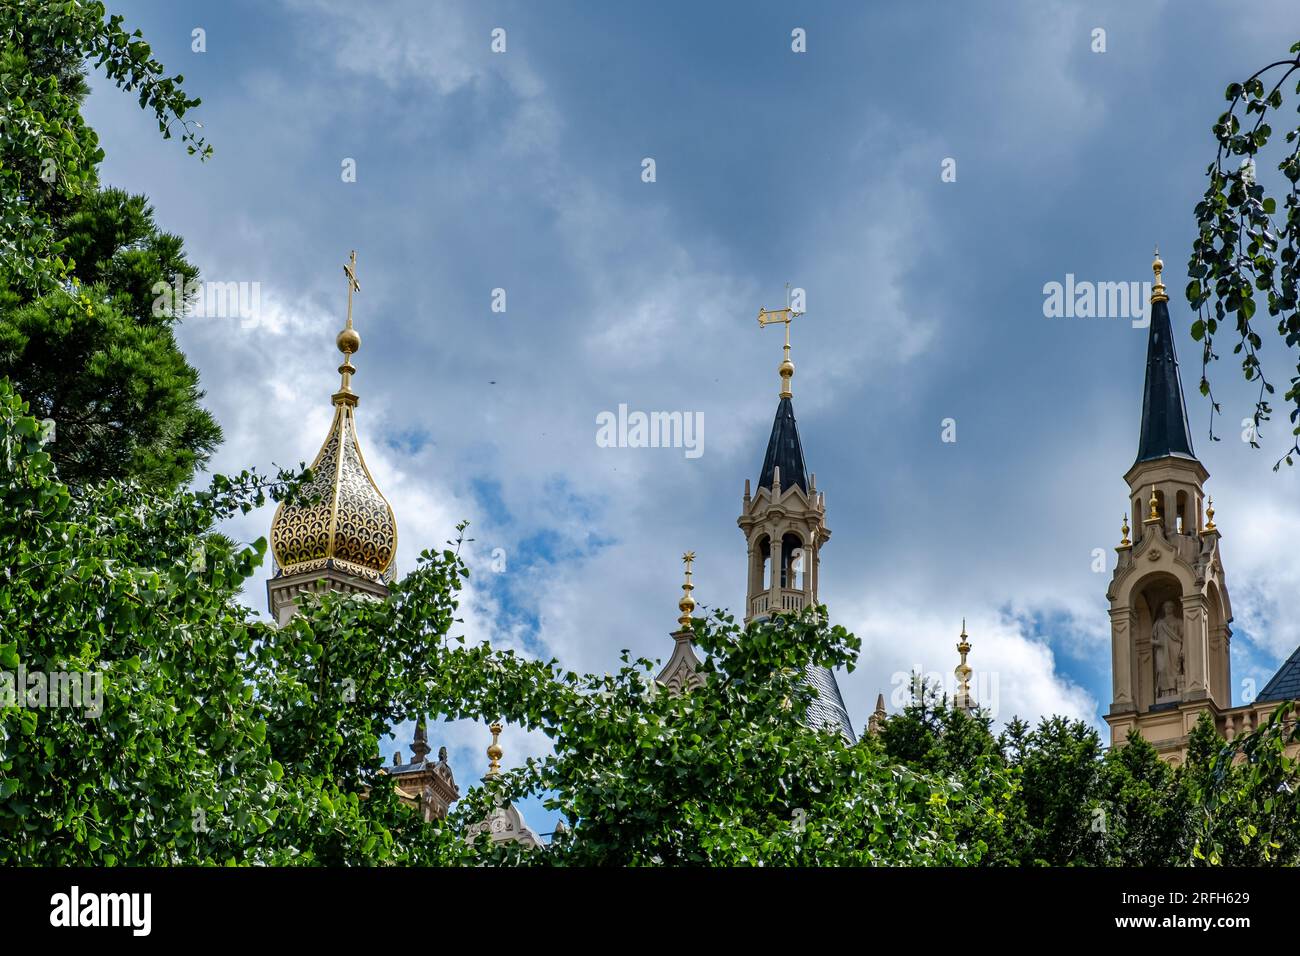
<point x="1236" y="252"/>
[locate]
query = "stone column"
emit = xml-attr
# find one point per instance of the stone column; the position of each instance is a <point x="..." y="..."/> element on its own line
<point x="1196" y="647"/>
<point x="778" y="572"/>
<point x="755" y="569"/>
<point x="1123" y="622"/>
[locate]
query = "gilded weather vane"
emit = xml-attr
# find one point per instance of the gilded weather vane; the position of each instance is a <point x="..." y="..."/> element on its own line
<point x="786" y="316"/>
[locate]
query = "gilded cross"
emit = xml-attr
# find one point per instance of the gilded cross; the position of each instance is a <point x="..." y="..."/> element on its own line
<point x="688" y="559"/>
<point x="350" y="270"/>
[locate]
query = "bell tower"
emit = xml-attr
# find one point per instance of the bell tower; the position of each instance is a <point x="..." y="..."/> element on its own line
<point x="784" y="523"/>
<point x="1169" y="605"/>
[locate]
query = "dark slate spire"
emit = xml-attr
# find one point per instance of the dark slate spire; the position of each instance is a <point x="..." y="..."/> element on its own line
<point x="784" y="451"/>
<point x="1164" y="413"/>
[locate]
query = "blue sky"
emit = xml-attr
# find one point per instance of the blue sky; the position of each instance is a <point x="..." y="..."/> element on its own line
<point x="522" y="171"/>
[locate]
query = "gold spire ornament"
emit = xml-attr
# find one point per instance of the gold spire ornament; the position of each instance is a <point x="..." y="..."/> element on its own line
<point x="687" y="604"/>
<point x="786" y="315"/>
<point x="349" y="340"/>
<point x="494" y="750"/>
<point x="1124" y="541"/>
<point x="1158" y="289"/>
<point x="1209" y="514"/>
<point x="1154" y="516"/>
<point x="340" y="519"/>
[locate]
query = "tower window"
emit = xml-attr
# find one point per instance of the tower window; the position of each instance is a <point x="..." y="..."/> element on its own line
<point x="794" y="562"/>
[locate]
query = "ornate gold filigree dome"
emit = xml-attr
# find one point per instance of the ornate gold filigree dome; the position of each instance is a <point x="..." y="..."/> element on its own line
<point x="340" y="519"/>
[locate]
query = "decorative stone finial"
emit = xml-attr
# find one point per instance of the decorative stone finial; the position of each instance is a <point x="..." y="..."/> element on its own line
<point x="420" y="747"/>
<point x="963" y="671"/>
<point x="876" y="723"/>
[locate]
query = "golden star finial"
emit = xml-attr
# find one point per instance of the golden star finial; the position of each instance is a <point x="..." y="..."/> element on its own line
<point x="687" y="604"/>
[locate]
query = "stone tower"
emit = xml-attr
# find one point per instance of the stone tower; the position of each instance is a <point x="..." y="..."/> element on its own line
<point x="1169" y="606"/>
<point x="784" y="523"/>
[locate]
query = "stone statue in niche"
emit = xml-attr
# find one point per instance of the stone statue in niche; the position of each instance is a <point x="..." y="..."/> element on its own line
<point x="1167" y="649"/>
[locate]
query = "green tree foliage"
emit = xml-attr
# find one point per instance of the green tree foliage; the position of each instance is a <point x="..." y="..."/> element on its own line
<point x="219" y="739"/>
<point x="224" y="740"/>
<point x="1074" y="804"/>
<point x="102" y="361"/>
<point x="1147" y="807"/>
<point x="1059" y="764"/>
<point x="1248" y="812"/>
<point x="48" y="154"/>
<point x="80" y="267"/>
<point x="1242" y="249"/>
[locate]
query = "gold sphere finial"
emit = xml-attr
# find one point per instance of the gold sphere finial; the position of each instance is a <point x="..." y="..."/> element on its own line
<point x="349" y="341"/>
<point x="1209" y="513"/>
<point x="1124" y="541"/>
<point x="494" y="750"/>
<point x="1158" y="288"/>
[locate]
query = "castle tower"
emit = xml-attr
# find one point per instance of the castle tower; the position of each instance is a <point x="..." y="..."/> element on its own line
<point x="426" y="786"/>
<point x="1169" y="606"/>
<point x="340" y="533"/>
<point x="784" y="523"/>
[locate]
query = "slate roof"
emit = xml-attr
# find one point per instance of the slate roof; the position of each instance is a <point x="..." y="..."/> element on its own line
<point x="828" y="708"/>
<point x="784" y="450"/>
<point x="1164" y="413"/>
<point x="1285" y="684"/>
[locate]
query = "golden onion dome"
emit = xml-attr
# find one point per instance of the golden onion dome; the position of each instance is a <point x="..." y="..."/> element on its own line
<point x="340" y="519"/>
